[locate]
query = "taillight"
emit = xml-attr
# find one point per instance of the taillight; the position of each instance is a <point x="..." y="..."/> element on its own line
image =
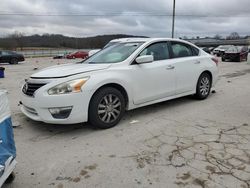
<point x="216" y="60"/>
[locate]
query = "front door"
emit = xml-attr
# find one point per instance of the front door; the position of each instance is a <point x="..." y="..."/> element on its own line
<point x="155" y="80"/>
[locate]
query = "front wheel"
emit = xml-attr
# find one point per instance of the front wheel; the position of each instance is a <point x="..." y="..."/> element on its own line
<point x="203" y="86"/>
<point x="107" y="107"/>
<point x="10" y="179"/>
<point x="13" y="61"/>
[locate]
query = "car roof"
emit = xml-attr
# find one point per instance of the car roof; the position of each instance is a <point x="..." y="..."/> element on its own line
<point x="132" y="39"/>
<point x="221" y="46"/>
<point x="121" y="40"/>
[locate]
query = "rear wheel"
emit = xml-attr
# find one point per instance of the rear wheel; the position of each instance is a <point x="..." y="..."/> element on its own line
<point x="203" y="86"/>
<point x="239" y="59"/>
<point x="107" y="107"/>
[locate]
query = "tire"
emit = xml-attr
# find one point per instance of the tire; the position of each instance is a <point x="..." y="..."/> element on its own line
<point x="239" y="59"/>
<point x="106" y="108"/>
<point x="203" y="86"/>
<point x="14" y="61"/>
<point x="222" y="59"/>
<point x="10" y="179"/>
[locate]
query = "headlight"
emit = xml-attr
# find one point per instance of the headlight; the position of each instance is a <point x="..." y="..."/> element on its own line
<point x="73" y="86"/>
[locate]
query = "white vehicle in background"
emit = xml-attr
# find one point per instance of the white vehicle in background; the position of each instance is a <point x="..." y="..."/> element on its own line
<point x="110" y="43"/>
<point x="123" y="76"/>
<point x="220" y="50"/>
<point x="116" y="41"/>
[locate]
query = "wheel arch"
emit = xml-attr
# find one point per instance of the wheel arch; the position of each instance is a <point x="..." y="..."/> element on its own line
<point x="117" y="86"/>
<point x="209" y="73"/>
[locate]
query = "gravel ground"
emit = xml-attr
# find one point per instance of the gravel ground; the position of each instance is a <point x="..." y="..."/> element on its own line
<point x="179" y="143"/>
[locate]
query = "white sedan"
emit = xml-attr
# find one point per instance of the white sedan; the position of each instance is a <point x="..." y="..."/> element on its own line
<point x="124" y="76"/>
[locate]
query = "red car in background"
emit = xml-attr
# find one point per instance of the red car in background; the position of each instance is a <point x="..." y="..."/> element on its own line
<point x="78" y="54"/>
<point x="236" y="53"/>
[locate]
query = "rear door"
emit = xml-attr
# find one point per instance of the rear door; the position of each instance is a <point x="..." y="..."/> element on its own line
<point x="187" y="65"/>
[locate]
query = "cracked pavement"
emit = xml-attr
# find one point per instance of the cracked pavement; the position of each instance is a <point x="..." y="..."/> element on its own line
<point x="178" y="143"/>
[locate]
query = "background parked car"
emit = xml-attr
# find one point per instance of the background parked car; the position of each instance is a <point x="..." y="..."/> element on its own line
<point x="92" y="52"/>
<point x="78" y="54"/>
<point x="206" y="49"/>
<point x="220" y="50"/>
<point x="236" y="53"/>
<point x="10" y="57"/>
<point x="211" y="49"/>
<point x="60" y="56"/>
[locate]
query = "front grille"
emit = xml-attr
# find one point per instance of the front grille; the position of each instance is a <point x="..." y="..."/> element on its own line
<point x="30" y="88"/>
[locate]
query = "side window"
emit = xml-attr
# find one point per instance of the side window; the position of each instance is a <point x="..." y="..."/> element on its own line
<point x="158" y="50"/>
<point x="5" y="53"/>
<point x="195" y="51"/>
<point x="181" y="50"/>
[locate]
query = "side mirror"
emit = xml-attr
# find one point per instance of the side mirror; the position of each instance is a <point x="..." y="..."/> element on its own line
<point x="144" y="59"/>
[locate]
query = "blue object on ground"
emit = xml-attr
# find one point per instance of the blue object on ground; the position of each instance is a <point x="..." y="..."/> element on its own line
<point x="2" y="72"/>
<point x="7" y="144"/>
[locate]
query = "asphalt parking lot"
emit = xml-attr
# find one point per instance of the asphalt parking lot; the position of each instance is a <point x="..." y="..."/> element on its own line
<point x="178" y="143"/>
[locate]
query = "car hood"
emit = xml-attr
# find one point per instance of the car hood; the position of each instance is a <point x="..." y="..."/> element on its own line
<point x="219" y="49"/>
<point x="60" y="71"/>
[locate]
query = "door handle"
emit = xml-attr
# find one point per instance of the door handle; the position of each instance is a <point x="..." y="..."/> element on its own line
<point x="169" y="67"/>
<point x="197" y="62"/>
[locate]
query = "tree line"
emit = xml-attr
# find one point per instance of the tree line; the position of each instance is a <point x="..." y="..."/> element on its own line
<point x="231" y="36"/>
<point x="20" y="41"/>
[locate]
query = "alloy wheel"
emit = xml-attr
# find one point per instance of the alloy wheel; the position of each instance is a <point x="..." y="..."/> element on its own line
<point x="204" y="86"/>
<point x="109" y="108"/>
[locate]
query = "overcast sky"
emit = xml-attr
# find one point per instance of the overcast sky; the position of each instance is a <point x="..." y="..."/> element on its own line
<point x="137" y="17"/>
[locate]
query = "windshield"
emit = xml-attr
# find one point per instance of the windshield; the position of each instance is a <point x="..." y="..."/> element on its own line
<point x="114" y="54"/>
<point x="233" y="49"/>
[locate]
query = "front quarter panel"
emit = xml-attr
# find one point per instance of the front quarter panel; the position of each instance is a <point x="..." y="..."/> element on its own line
<point x="118" y="76"/>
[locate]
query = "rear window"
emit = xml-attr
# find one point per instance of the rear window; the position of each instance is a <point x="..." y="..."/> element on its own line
<point x="181" y="50"/>
<point x="195" y="51"/>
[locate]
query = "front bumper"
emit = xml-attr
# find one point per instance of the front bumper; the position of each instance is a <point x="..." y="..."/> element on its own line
<point x="37" y="108"/>
<point x="231" y="56"/>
